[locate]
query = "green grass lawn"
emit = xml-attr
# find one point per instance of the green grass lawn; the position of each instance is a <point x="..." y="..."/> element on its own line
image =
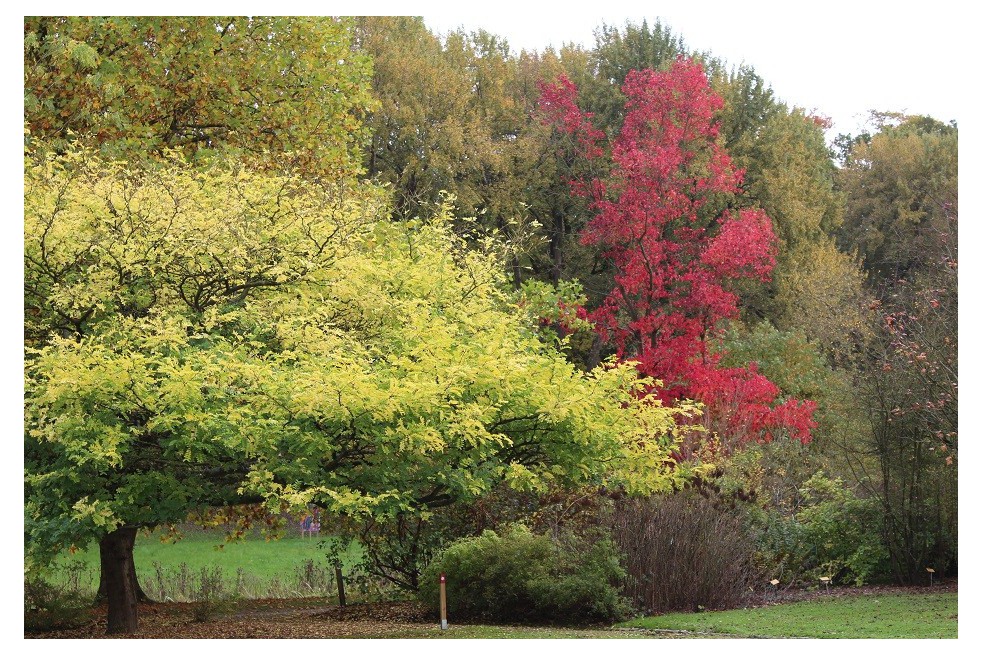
<point x="899" y="616"/>
<point x="511" y="632"/>
<point x="286" y="567"/>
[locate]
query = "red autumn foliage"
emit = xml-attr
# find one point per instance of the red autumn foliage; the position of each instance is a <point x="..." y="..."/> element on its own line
<point x="675" y="258"/>
<point x="557" y="105"/>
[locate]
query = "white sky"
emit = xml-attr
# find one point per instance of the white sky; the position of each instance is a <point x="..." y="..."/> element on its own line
<point x="839" y="58"/>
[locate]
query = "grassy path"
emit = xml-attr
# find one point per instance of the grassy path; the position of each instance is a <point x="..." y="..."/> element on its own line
<point x="892" y="616"/>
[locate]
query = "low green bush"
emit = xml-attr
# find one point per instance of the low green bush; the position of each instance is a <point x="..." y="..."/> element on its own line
<point x="835" y="534"/>
<point x="521" y="577"/>
<point x="844" y="532"/>
<point x="52" y="607"/>
<point x="587" y="589"/>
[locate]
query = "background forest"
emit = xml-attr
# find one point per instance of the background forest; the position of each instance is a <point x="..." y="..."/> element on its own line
<point x="615" y="309"/>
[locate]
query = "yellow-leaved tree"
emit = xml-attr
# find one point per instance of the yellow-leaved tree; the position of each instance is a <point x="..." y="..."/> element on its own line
<point x="200" y="337"/>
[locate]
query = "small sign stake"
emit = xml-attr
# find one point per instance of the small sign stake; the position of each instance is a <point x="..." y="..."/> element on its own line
<point x="443" y="601"/>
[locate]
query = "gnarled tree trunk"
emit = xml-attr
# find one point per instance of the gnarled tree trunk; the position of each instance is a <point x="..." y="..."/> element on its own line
<point x="116" y="551"/>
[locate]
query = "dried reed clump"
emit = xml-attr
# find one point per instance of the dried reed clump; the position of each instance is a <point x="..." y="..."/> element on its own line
<point x="682" y="552"/>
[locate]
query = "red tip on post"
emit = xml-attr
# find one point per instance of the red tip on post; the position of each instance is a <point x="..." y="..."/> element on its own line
<point x="443" y="579"/>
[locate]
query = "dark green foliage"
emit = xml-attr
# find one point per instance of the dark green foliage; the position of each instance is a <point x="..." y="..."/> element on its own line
<point x="789" y="360"/>
<point x="835" y="534"/>
<point x="618" y="51"/>
<point x="587" y="588"/>
<point x="521" y="577"/>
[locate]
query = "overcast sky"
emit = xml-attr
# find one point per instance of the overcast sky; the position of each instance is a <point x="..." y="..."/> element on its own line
<point x="839" y="58"/>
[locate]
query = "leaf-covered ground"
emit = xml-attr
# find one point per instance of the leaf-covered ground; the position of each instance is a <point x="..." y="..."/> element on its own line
<point x="317" y="618"/>
<point x="311" y="618"/>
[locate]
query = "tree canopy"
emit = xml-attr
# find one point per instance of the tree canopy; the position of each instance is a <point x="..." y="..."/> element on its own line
<point x="218" y="334"/>
<point x="902" y="190"/>
<point x="675" y="255"/>
<point x="278" y="92"/>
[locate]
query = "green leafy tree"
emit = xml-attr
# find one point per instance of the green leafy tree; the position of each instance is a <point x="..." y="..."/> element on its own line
<point x="817" y="289"/>
<point x="424" y="386"/>
<point x="902" y="187"/>
<point x="458" y="115"/>
<point x="270" y="93"/>
<point x="616" y="52"/>
<point x="277" y="92"/>
<point x="441" y="122"/>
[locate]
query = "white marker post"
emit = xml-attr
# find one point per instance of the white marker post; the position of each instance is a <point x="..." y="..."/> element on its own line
<point x="443" y="601"/>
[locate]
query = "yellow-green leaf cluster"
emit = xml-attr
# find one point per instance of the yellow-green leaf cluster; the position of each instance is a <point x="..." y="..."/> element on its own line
<point x="207" y="337"/>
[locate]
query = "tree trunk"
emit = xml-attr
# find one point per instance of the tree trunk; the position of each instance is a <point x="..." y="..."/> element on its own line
<point x="557" y="234"/>
<point x="593" y="358"/>
<point x="340" y="578"/>
<point x="116" y="549"/>
<point x="103" y="593"/>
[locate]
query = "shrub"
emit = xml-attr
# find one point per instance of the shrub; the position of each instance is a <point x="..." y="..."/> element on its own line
<point x="397" y="549"/>
<point x="844" y="533"/>
<point x="587" y="589"/>
<point x="211" y="598"/>
<point x="521" y="577"/>
<point x="52" y="607"/>
<point x="780" y="550"/>
<point x="682" y="552"/>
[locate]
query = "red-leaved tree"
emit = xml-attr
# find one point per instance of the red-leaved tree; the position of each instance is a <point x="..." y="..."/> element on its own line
<point x="675" y="258"/>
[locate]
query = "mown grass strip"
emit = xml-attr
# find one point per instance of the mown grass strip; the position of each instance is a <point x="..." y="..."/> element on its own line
<point x="510" y="632"/>
<point x="888" y="616"/>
